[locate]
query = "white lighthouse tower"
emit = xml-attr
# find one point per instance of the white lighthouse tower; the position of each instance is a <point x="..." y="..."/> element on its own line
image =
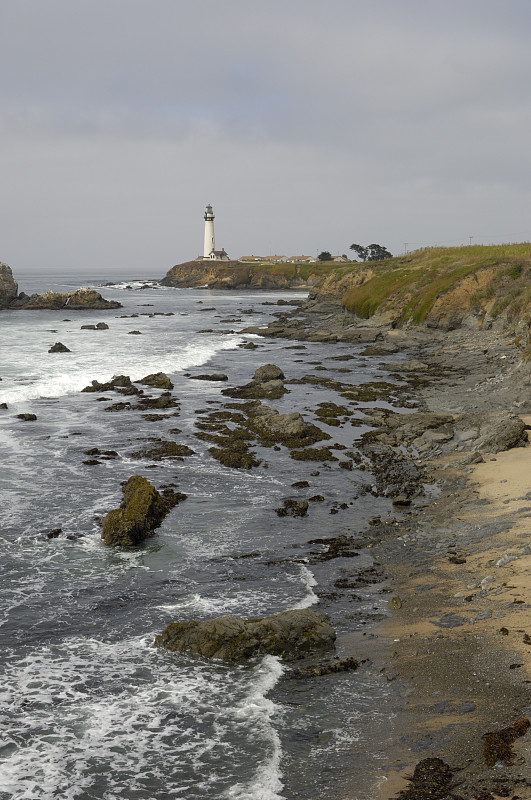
<point x="210" y="245"/>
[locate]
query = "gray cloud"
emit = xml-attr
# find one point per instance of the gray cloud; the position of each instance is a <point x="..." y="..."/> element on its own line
<point x="307" y="125"/>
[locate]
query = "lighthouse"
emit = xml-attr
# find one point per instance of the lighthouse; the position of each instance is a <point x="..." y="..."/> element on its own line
<point x="210" y="244"/>
<point x="209" y="247"/>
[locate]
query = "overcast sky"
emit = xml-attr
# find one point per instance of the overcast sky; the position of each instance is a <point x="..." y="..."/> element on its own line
<point x="309" y="125"/>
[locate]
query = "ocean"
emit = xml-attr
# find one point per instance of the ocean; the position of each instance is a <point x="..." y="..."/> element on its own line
<point x="89" y="708"/>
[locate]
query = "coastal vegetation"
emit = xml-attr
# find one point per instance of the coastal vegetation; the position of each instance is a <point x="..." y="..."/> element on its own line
<point x="413" y="283"/>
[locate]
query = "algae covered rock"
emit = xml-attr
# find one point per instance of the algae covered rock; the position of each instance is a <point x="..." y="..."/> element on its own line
<point x="290" y="634"/>
<point x="141" y="511"/>
<point x="78" y="300"/>
<point x="158" y="380"/>
<point x="268" y="372"/>
<point x="267" y="383"/>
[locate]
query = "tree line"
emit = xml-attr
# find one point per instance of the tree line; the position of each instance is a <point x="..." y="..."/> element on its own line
<point x="373" y="252"/>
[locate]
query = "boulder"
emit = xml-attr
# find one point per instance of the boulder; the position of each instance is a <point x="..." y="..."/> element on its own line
<point x="141" y="511"/>
<point x="290" y="428"/>
<point x="269" y="372"/>
<point x="290" y="635"/>
<point x="8" y="286"/>
<point x="158" y="380"/>
<point x="490" y="433"/>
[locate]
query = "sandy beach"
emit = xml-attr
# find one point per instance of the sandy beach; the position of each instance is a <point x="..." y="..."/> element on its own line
<point x="457" y="636"/>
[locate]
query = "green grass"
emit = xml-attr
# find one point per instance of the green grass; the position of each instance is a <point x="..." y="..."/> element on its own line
<point x="414" y="282"/>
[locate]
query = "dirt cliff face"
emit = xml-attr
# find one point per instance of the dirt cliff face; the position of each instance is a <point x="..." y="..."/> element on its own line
<point x="234" y="275"/>
<point x="8" y="286"/>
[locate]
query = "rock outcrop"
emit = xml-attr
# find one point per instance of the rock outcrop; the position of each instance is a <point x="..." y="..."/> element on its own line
<point x="290" y="634"/>
<point x="234" y="275"/>
<point x="267" y="383"/>
<point x="79" y="300"/>
<point x="141" y="511"/>
<point x="8" y="286"/>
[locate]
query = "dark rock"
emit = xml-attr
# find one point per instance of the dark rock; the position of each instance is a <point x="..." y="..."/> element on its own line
<point x="164" y="450"/>
<point x="54" y="534"/>
<point x="395" y="474"/>
<point x="118" y="383"/>
<point x="290" y="634"/>
<point x="289" y="429"/>
<point x="135" y="333"/>
<point x="164" y="401"/>
<point x="293" y="508"/>
<point x="118" y="407"/>
<point x="141" y="511"/>
<point x="345" y="665"/>
<point x="27" y="417"/>
<point x="215" y="376"/>
<point x="313" y="454"/>
<point x="3" y="405"/>
<point x="267" y="384"/>
<point x="237" y="456"/>
<point x="59" y="347"/>
<point x="300" y="484"/>
<point x="158" y="380"/>
<point x="342" y="546"/>
<point x="268" y="372"/>
<point x="78" y="300"/>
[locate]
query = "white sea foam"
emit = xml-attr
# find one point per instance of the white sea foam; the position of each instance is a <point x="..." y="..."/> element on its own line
<point x="91" y="717"/>
<point x="308" y="580"/>
<point x="257" y="709"/>
<point x="102" y="365"/>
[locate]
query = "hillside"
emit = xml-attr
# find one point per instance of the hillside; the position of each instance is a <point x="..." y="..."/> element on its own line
<point x="445" y="288"/>
<point x="233" y="275"/>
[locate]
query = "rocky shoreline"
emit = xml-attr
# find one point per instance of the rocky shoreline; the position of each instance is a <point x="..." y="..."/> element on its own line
<point x="456" y="644"/>
<point x="82" y="299"/>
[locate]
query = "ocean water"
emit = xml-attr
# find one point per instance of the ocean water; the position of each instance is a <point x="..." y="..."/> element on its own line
<point x="89" y="708"/>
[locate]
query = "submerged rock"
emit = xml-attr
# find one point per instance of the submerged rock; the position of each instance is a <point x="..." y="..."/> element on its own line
<point x="290" y="634"/>
<point x="213" y="376"/>
<point x="293" y="508"/>
<point x="141" y="511"/>
<point x="163" y="450"/>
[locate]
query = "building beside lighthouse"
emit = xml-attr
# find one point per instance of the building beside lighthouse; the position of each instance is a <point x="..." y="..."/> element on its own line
<point x="209" y="248"/>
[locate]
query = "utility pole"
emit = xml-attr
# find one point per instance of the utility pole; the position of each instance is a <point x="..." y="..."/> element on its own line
<point x="470" y="241"/>
<point x="405" y="248"/>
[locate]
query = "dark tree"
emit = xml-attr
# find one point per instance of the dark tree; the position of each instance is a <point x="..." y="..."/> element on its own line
<point x="361" y="252"/>
<point x="378" y="252"/>
<point x="324" y="256"/>
<point x="374" y="252"/>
